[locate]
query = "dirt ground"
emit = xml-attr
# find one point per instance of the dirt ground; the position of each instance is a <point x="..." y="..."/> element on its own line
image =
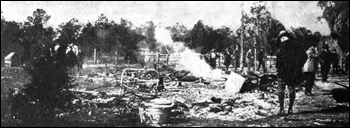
<point x="320" y="110"/>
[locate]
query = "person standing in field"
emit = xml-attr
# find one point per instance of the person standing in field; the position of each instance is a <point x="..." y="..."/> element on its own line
<point x="228" y="58"/>
<point x="213" y="57"/>
<point x="288" y="69"/>
<point x="325" y="60"/>
<point x="335" y="61"/>
<point x="249" y="59"/>
<point x="261" y="61"/>
<point x="309" y="71"/>
<point x="235" y="57"/>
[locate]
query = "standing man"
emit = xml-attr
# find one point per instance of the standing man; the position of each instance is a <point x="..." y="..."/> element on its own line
<point x="72" y="57"/>
<point x="228" y="59"/>
<point x="335" y="61"/>
<point x="236" y="58"/>
<point x="81" y="56"/>
<point x="249" y="58"/>
<point x="261" y="56"/>
<point x="213" y="57"/>
<point x="288" y="69"/>
<point x="207" y="58"/>
<point x="325" y="57"/>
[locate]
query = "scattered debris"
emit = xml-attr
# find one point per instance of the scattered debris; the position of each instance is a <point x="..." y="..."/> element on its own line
<point x="234" y="83"/>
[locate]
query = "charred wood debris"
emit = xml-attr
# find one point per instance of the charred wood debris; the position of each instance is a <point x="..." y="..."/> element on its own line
<point x="192" y="96"/>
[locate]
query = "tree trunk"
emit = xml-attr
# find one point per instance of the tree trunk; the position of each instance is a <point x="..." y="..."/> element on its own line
<point x="242" y="32"/>
<point x="255" y="55"/>
<point x="242" y="53"/>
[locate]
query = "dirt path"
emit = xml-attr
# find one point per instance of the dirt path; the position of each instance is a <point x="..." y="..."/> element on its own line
<point x="320" y="110"/>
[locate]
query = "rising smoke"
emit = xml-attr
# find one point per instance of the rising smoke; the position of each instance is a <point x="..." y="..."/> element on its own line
<point x="189" y="61"/>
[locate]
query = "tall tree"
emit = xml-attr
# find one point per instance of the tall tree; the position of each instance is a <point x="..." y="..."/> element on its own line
<point x="258" y="29"/>
<point x="271" y="35"/>
<point x="48" y="94"/>
<point x="336" y="13"/>
<point x="150" y="36"/>
<point x="2" y="22"/>
<point x="36" y="35"/>
<point x="10" y="38"/>
<point x="178" y="32"/>
<point x="103" y="28"/>
<point x="128" y="39"/>
<point x="263" y="27"/>
<point x="224" y="40"/>
<point x="197" y="37"/>
<point x="88" y="39"/>
<point x="69" y="32"/>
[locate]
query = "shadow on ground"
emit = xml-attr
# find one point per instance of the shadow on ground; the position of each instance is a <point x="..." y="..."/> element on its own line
<point x="334" y="110"/>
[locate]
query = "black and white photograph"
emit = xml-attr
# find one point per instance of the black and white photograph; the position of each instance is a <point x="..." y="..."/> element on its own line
<point x="175" y="64"/>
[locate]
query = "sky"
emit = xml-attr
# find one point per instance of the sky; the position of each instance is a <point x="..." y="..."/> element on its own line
<point x="166" y="13"/>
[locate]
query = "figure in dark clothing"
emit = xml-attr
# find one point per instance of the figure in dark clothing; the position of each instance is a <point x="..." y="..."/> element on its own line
<point x="207" y="58"/>
<point x="335" y="61"/>
<point x="249" y="59"/>
<point x="288" y="69"/>
<point x="235" y="58"/>
<point x="228" y="58"/>
<point x="261" y="56"/>
<point x="325" y="60"/>
<point x="213" y="57"/>
<point x="81" y="56"/>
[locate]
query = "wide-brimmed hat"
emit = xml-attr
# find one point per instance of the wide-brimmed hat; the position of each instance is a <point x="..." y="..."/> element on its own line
<point x="283" y="33"/>
<point x="283" y="36"/>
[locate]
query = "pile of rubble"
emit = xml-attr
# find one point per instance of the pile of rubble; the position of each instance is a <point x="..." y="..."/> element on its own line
<point x="242" y="107"/>
<point x="201" y="98"/>
<point x="220" y="104"/>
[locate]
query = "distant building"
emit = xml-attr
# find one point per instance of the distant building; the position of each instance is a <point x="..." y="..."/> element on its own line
<point x="143" y="47"/>
<point x="12" y="60"/>
<point x="144" y="51"/>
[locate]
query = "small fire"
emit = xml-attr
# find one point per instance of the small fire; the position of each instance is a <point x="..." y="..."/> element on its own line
<point x="189" y="60"/>
<point x="192" y="62"/>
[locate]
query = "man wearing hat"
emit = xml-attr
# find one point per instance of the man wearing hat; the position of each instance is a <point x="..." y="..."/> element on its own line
<point x="325" y="57"/>
<point x="288" y="69"/>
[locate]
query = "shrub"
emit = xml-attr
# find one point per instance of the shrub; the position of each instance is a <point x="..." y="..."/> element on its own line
<point x="47" y="95"/>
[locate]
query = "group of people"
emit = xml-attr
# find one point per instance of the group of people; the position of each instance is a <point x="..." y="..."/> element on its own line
<point x="231" y="57"/>
<point x="292" y="66"/>
<point x="328" y="59"/>
<point x="260" y="58"/>
<point x="293" y="69"/>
